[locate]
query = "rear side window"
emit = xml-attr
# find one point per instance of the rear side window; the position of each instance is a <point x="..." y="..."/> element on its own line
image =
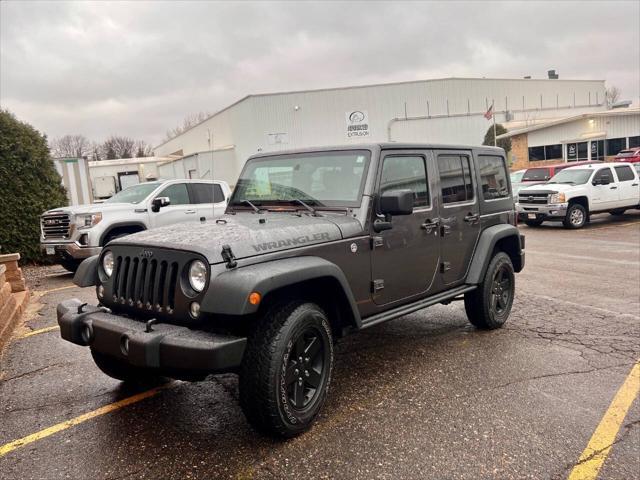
<point x="177" y="194"/>
<point x="536" y="175"/>
<point x="406" y="172"/>
<point x="624" y="173"/>
<point x="493" y="176"/>
<point x="207" y="193"/>
<point x="455" y="178"/>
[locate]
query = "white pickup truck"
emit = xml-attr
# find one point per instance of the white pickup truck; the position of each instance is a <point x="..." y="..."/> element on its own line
<point x="574" y="193"/>
<point x="71" y="234"/>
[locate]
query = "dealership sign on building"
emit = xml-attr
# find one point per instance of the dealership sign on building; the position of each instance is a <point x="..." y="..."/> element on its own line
<point x="357" y="123"/>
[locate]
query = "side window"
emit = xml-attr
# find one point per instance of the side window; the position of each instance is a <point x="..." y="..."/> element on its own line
<point x="455" y="178"/>
<point x="493" y="175"/>
<point x="406" y="172"/>
<point x="177" y="194"/>
<point x="603" y="173"/>
<point x="207" y="193"/>
<point x="625" y="173"/>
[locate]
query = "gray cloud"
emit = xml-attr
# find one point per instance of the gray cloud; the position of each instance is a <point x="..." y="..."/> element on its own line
<point x="137" y="68"/>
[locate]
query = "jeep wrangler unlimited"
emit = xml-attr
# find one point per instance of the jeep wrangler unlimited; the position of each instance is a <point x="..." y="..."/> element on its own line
<point x="314" y="244"/>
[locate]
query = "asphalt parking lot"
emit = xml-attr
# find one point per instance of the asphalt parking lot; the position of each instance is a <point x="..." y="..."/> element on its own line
<point x="424" y="396"/>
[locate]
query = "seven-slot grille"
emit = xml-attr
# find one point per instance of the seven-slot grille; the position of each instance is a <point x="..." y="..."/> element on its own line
<point x="55" y="225"/>
<point x="533" y="198"/>
<point x="145" y="283"/>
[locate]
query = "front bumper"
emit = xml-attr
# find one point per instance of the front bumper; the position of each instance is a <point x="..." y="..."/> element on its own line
<point x="542" y="212"/>
<point x="171" y="350"/>
<point x="69" y="250"/>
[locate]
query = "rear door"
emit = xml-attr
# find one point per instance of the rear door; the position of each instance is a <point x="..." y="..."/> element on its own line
<point x="209" y="199"/>
<point x="628" y="186"/>
<point x="604" y="197"/>
<point x="404" y="260"/>
<point x="459" y="213"/>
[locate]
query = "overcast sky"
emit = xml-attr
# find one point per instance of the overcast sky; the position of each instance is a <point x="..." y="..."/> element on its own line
<point x="138" y="68"/>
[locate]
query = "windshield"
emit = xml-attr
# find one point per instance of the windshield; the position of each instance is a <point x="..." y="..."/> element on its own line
<point x="517" y="176"/>
<point x="133" y="194"/>
<point x="318" y="179"/>
<point x="573" y="177"/>
<point x="536" y="175"/>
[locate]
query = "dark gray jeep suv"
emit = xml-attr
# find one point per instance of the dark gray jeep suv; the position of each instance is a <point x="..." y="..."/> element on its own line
<point x="315" y="244"/>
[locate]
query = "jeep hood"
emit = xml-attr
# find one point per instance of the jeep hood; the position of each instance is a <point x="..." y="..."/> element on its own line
<point x="248" y="234"/>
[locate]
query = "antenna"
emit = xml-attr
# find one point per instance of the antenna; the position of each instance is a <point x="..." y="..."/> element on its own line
<point x="213" y="184"/>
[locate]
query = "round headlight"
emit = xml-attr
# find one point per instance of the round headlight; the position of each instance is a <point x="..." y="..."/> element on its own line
<point x="107" y="263"/>
<point x="197" y="275"/>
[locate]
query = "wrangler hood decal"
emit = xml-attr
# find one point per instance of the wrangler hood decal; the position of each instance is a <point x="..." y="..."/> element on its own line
<point x="247" y="234"/>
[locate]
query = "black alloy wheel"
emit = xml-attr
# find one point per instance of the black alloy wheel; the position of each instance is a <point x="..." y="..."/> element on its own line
<point x="501" y="290"/>
<point x="304" y="368"/>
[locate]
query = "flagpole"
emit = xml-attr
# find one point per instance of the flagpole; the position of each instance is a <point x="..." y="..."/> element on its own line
<point x="495" y="140"/>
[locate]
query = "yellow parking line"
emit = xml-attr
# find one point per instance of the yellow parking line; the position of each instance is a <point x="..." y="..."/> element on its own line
<point x="21" y="442"/>
<point x="599" y="446"/>
<point x="44" y="292"/>
<point x="39" y="331"/>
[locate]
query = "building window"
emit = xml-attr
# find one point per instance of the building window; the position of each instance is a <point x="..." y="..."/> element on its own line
<point x="634" y="142"/>
<point x="493" y="174"/>
<point x="577" y="151"/>
<point x="553" y="152"/>
<point x="614" y="145"/>
<point x="597" y="150"/>
<point x="455" y="179"/>
<point x="536" y="154"/>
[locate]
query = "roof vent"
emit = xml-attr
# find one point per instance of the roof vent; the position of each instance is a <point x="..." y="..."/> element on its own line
<point x="552" y="75"/>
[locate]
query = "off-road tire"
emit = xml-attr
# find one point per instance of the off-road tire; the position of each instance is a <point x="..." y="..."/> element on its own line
<point x="269" y="357"/>
<point x="70" y="265"/>
<point x="481" y="303"/>
<point x="618" y="212"/>
<point x="533" y="223"/>
<point x="119" y="370"/>
<point x="576" y="216"/>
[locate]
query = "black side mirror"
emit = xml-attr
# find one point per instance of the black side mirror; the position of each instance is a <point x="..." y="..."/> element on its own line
<point x="393" y="202"/>
<point x="159" y="202"/>
<point x="602" y="181"/>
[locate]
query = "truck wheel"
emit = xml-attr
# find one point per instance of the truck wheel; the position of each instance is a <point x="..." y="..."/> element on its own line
<point x="576" y="216"/>
<point x="489" y="305"/>
<point x="618" y="212"/>
<point x="286" y="369"/>
<point x="533" y="223"/>
<point x="126" y="373"/>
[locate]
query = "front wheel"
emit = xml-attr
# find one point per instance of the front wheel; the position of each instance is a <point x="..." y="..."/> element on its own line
<point x="286" y="369"/>
<point x="489" y="305"/>
<point x="576" y="216"/>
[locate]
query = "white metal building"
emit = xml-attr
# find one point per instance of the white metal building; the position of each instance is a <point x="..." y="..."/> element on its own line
<point x="441" y="111"/>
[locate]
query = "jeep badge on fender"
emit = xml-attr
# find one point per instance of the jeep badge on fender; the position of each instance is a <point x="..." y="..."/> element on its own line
<point x="314" y="245"/>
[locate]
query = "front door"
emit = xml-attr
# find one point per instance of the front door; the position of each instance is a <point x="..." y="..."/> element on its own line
<point x="459" y="213"/>
<point x="405" y="259"/>
<point x="628" y="186"/>
<point x="180" y="209"/>
<point x="604" y="197"/>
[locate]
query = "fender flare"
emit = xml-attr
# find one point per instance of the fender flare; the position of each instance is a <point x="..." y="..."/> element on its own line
<point x="487" y="242"/>
<point x="228" y="293"/>
<point x="87" y="273"/>
<point x="120" y="225"/>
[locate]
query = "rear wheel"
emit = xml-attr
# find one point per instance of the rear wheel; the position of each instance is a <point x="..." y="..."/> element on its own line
<point x="286" y="369"/>
<point x="618" y="212"/>
<point x="489" y="305"/>
<point x="119" y="370"/>
<point x="576" y="216"/>
<point x="533" y="223"/>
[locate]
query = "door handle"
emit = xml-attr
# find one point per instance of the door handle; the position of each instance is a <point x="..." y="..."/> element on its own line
<point x="429" y="225"/>
<point x="472" y="217"/>
<point x="613" y="188"/>
<point x="189" y="211"/>
<point x="634" y="184"/>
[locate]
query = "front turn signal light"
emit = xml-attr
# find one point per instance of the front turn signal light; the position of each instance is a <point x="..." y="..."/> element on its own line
<point x="254" y="298"/>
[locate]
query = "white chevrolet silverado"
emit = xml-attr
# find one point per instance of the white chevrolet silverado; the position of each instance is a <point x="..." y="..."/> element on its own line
<point x="71" y="234"/>
<point x="574" y="193"/>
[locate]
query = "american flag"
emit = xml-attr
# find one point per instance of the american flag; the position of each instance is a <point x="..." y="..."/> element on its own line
<point x="489" y="113"/>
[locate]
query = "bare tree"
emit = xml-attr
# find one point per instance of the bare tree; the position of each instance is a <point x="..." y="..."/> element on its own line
<point x="118" y="147"/>
<point x="96" y="152"/>
<point x="189" y="121"/>
<point x="143" y="149"/>
<point x="74" y="146"/>
<point x="612" y="95"/>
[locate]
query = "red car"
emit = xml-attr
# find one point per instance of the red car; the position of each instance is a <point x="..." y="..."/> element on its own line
<point x="631" y="155"/>
<point x="542" y="174"/>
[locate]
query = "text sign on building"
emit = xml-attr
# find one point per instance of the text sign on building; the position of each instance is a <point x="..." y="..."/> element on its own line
<point x="357" y="123"/>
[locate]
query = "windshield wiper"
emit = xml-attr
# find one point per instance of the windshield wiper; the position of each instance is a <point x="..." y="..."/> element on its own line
<point x="308" y="207"/>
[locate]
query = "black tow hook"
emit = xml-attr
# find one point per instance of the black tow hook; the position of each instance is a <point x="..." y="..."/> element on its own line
<point x="150" y="323"/>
